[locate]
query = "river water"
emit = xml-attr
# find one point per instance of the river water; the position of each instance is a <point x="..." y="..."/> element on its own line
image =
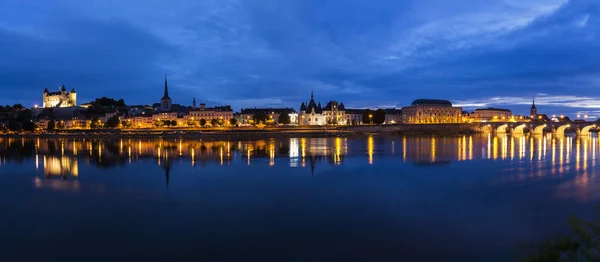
<point x="371" y="198"/>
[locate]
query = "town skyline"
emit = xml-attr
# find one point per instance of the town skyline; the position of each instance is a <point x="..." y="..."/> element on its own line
<point x="383" y="55"/>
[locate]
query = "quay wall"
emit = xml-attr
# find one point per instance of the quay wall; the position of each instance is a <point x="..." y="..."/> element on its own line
<point x="418" y="128"/>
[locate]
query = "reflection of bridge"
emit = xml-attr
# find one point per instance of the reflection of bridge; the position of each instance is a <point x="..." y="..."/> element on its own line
<point x="559" y="129"/>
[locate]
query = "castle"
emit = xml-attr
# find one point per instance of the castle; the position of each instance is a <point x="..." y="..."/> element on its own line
<point x="61" y="98"/>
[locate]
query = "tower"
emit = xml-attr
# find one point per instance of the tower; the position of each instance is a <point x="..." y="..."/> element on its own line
<point x="533" y="109"/>
<point x="194" y="103"/>
<point x="165" y="101"/>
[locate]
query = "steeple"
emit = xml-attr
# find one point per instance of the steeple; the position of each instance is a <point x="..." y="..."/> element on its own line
<point x="194" y="103"/>
<point x="166" y="88"/>
<point x="533" y="109"/>
<point x="312" y="96"/>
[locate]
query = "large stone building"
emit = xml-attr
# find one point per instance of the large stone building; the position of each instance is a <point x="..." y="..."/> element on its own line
<point x="354" y="116"/>
<point x="221" y="113"/>
<point x="491" y="114"/>
<point x="431" y="111"/>
<point x="62" y="98"/>
<point x="313" y="114"/>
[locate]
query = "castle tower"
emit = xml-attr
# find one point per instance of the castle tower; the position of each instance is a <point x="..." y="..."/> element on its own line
<point x="166" y="102"/>
<point x="533" y="109"/>
<point x="194" y="103"/>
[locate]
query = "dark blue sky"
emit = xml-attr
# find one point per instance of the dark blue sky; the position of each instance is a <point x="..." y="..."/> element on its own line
<point x="273" y="53"/>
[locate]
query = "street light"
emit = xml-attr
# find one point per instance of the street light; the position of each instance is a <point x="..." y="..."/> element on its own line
<point x="371" y="118"/>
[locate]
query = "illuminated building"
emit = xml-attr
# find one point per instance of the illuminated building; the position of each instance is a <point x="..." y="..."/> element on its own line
<point x="221" y="113"/>
<point x="62" y="98"/>
<point x="491" y="114"/>
<point x="313" y="114"/>
<point x="354" y="116"/>
<point x="431" y="111"/>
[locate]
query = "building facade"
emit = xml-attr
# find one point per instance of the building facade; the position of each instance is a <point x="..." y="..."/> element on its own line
<point x="62" y="98"/>
<point x="221" y="113"/>
<point x="313" y="114"/>
<point x="335" y="113"/>
<point x="354" y="116"/>
<point x="393" y="116"/>
<point x="491" y="114"/>
<point x="431" y="111"/>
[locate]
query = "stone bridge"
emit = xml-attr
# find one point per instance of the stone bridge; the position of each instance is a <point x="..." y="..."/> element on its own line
<point x="559" y="129"/>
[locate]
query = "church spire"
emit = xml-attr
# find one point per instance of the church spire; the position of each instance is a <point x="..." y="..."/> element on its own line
<point x="312" y="96"/>
<point x="166" y="87"/>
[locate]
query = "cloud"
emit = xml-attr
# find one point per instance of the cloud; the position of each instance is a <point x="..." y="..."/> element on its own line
<point x="275" y="52"/>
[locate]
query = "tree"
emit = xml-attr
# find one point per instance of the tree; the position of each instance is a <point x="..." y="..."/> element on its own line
<point x="126" y="124"/>
<point x="112" y="122"/>
<point x="260" y="117"/>
<point x="29" y="126"/>
<point x="158" y="123"/>
<point x="173" y="123"/>
<point x="367" y="116"/>
<point x="233" y="121"/>
<point x="584" y="247"/>
<point x="379" y="116"/>
<point x="214" y="122"/>
<point x="14" y="125"/>
<point x="95" y="123"/>
<point x="202" y="122"/>
<point x="51" y="125"/>
<point x="284" y="118"/>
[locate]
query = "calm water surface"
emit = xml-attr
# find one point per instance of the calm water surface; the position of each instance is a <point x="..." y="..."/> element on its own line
<point x="469" y="198"/>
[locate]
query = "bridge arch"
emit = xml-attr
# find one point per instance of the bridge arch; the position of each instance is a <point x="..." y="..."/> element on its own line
<point x="487" y="128"/>
<point x="539" y="130"/>
<point x="502" y="128"/>
<point x="519" y="129"/>
<point x="560" y="131"/>
<point x="586" y="130"/>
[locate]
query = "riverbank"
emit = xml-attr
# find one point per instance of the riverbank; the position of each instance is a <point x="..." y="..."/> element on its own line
<point x="254" y="132"/>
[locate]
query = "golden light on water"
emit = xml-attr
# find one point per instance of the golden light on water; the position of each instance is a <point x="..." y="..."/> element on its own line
<point x="370" y="148"/>
<point x="557" y="151"/>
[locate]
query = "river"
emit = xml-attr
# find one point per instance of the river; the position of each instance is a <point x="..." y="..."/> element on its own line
<point x="371" y="198"/>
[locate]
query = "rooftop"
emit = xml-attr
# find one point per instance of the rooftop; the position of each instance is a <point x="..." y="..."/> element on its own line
<point x="436" y="102"/>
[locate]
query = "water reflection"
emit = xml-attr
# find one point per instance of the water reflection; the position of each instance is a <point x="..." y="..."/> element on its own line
<point x="62" y="158"/>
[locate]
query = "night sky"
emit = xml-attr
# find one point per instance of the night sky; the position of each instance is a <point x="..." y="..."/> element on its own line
<point x="271" y="53"/>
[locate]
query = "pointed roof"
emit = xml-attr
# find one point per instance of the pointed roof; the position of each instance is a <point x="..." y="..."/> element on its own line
<point x="166" y="95"/>
<point x="303" y="107"/>
<point x="313" y="105"/>
<point x="73" y="90"/>
<point x="63" y="88"/>
<point x="46" y="90"/>
<point x="533" y="105"/>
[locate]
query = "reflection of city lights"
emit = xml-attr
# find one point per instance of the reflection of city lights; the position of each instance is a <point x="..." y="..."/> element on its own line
<point x="404" y="148"/>
<point x="495" y="148"/>
<point x="370" y="148"/>
<point x="433" y="150"/>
